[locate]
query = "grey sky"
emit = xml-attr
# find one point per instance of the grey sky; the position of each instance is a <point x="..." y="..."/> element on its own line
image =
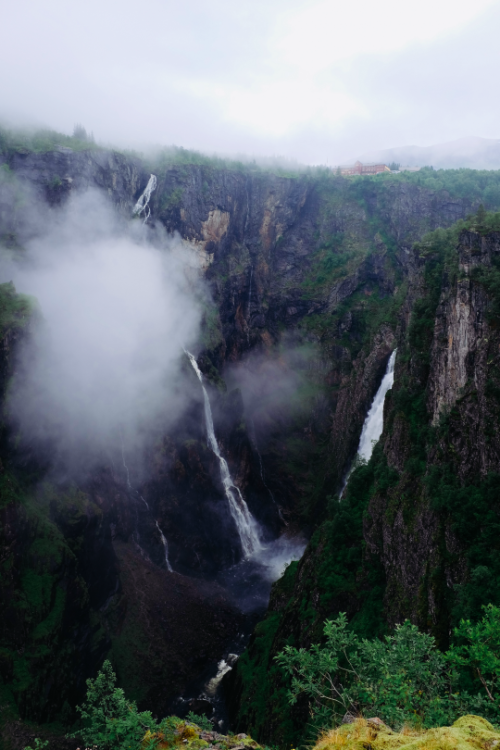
<point x="316" y="81"/>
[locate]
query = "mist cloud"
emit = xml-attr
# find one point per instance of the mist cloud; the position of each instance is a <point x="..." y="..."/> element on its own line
<point x="101" y="369"/>
<point x="318" y="81"/>
<point x="276" y="387"/>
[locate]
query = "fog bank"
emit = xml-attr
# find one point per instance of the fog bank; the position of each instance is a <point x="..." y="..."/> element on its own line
<point x="101" y="370"/>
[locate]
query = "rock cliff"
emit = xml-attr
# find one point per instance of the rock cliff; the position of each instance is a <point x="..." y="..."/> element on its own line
<point x="415" y="535"/>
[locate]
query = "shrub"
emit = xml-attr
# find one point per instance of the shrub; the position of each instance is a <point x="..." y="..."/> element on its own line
<point x="110" y="721"/>
<point x="402" y="678"/>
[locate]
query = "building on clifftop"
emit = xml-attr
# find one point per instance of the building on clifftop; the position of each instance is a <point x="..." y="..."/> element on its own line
<point x="359" y="168"/>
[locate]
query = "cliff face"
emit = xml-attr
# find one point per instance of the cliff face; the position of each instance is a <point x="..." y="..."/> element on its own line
<point x="429" y="557"/>
<point x="416" y="534"/>
<point x="314" y="276"/>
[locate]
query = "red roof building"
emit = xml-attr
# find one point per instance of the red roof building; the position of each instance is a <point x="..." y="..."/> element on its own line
<point x="359" y="168"/>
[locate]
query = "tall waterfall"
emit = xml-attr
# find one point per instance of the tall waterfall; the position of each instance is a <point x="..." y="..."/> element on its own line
<point x="374" y="422"/>
<point x="142" y="204"/>
<point x="245" y="522"/>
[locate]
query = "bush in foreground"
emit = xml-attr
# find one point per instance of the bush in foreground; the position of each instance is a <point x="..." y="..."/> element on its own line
<point x="404" y="679"/>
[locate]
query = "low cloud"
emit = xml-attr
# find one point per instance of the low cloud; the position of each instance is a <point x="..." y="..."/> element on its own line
<point x="276" y="387"/>
<point x="101" y="371"/>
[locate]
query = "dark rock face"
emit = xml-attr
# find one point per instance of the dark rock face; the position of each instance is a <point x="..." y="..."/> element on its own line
<point x="314" y="281"/>
<point x="459" y="391"/>
<point x="417" y="535"/>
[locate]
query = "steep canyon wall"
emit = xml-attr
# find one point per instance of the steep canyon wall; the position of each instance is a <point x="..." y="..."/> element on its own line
<point x="312" y="281"/>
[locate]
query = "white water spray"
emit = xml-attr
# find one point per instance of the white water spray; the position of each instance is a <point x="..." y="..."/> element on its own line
<point x="165" y="547"/>
<point x="374" y="422"/>
<point x="142" y="204"/>
<point x="245" y="523"/>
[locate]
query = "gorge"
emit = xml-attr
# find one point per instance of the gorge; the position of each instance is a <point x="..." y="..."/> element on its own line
<point x="151" y="532"/>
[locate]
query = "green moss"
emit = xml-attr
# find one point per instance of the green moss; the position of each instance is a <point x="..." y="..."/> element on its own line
<point x="467" y="733"/>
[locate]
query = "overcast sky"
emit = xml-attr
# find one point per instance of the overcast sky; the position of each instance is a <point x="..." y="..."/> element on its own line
<point x="319" y="82"/>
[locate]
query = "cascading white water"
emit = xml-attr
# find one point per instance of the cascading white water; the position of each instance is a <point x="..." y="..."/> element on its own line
<point x="142" y="204"/>
<point x="165" y="547"/>
<point x="374" y="422"/>
<point x="245" y="522"/>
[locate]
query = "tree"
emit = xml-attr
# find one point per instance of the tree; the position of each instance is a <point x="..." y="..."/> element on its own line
<point x="110" y="721"/>
<point x="80" y="133"/>
<point x="403" y="678"/>
<point x="478" y="649"/>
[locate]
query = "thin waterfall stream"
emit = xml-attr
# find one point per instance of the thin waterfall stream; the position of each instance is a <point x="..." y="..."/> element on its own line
<point x="137" y="536"/>
<point x="165" y="547"/>
<point x="245" y="522"/>
<point x="253" y="438"/>
<point x="374" y="422"/>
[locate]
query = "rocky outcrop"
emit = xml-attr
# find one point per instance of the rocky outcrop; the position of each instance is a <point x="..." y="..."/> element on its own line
<point x="462" y="333"/>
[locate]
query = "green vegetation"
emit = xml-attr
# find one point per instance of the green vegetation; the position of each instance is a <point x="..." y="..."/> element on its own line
<point x="173" y="200"/>
<point x="39" y="744"/>
<point x="402" y="678"/>
<point x="200" y="721"/>
<point x="15" y="309"/>
<point x="40" y="141"/>
<point x="34" y="584"/>
<point x="111" y="722"/>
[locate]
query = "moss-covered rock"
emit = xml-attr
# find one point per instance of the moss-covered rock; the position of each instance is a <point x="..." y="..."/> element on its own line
<point x="466" y="733"/>
<point x="190" y="736"/>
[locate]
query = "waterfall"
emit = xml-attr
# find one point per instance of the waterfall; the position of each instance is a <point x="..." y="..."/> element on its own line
<point x="245" y="523"/>
<point x="143" y="202"/>
<point x="165" y="547"/>
<point x="374" y="422"/>
<point x="137" y="536"/>
<point x="271" y="494"/>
